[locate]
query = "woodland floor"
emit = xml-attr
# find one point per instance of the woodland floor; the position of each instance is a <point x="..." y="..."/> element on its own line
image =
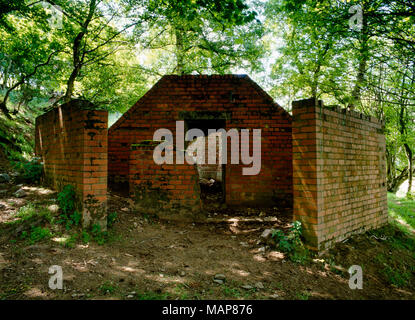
<point x="147" y="258"/>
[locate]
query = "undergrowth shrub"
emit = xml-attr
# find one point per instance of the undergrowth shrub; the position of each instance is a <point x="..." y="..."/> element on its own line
<point x="85" y="237"/>
<point x="288" y="243"/>
<point x="70" y="217"/>
<point x="291" y="243"/>
<point x="397" y="276"/>
<point x="30" y="170"/>
<point x="98" y="235"/>
<point x="36" y="234"/>
<point x="66" y="199"/>
<point x="67" y="202"/>
<point x="111" y="217"/>
<point x="70" y="220"/>
<point x="31" y="212"/>
<point x="108" y="287"/>
<point x="29" y="220"/>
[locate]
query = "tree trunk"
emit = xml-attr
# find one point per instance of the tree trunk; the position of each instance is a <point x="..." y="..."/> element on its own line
<point x="179" y="52"/>
<point x="6" y="75"/>
<point x="390" y="168"/>
<point x="4" y="109"/>
<point x="395" y="182"/>
<point x="78" y="56"/>
<point x="314" y="86"/>
<point x="363" y="60"/>
<point x="71" y="83"/>
<point x="409" y="155"/>
<point x="3" y="104"/>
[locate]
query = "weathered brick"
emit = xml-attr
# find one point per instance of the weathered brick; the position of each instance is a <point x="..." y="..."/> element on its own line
<point x="72" y="142"/>
<point x="346" y="154"/>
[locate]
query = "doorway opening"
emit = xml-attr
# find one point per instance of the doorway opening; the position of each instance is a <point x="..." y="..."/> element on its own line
<point x="211" y="176"/>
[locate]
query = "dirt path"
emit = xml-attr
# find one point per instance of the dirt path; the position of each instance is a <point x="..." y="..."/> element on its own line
<point x="146" y="258"/>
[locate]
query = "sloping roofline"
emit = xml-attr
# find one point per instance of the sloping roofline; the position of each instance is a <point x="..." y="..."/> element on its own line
<point x="177" y="78"/>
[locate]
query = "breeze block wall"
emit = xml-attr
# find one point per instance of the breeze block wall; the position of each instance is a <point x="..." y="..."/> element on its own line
<point x="234" y="101"/>
<point x="72" y="141"/>
<point x="339" y="170"/>
<point x="171" y="187"/>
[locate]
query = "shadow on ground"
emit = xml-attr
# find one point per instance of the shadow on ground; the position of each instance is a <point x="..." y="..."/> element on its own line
<point x="148" y="258"/>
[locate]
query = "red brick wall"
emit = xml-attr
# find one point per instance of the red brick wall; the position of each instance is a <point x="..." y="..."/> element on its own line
<point x="72" y="142"/>
<point x="237" y="100"/>
<point x="167" y="186"/>
<point x="339" y="172"/>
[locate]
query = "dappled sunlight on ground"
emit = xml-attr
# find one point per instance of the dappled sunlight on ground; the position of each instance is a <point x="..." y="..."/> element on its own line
<point x="178" y="259"/>
<point x="10" y="204"/>
<point x="275" y="256"/>
<point x="241" y="273"/>
<point x="401" y="193"/>
<point x="35" y="293"/>
<point x="38" y="191"/>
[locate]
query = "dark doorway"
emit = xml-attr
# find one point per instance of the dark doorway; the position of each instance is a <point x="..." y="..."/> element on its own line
<point x="211" y="176"/>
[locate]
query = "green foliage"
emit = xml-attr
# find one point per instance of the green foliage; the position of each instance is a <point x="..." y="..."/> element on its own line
<point x="398" y="270"/>
<point x="292" y="243"/>
<point x="67" y="202"/>
<point x="231" y="292"/>
<point x="150" y="295"/>
<point x="85" y="237"/>
<point x="370" y="69"/>
<point x="397" y="277"/>
<point x="300" y="255"/>
<point x="39" y="233"/>
<point x="108" y="288"/>
<point x="24" y="235"/>
<point x="71" y="241"/>
<point x="34" y="215"/>
<point x="181" y="292"/>
<point x="127" y="45"/>
<point x="31" y="213"/>
<point x="288" y="243"/>
<point x="17" y="135"/>
<point x="31" y="210"/>
<point x="98" y="235"/>
<point x="282" y="240"/>
<point x="76" y="218"/>
<point x="95" y="233"/>
<point x="402" y="211"/>
<point x="115" y="84"/>
<point x="66" y="199"/>
<point x="204" y="36"/>
<point x="111" y="218"/>
<point x="395" y="271"/>
<point x="71" y="220"/>
<point x="302" y="295"/>
<point x="36" y="234"/>
<point x="30" y="170"/>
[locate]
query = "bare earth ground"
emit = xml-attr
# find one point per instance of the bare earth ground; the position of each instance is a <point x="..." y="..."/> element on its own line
<point x="148" y="258"/>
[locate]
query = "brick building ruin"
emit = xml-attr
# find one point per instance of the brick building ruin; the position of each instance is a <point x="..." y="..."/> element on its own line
<point x="327" y="165"/>
<point x="72" y="142"/>
<point x="204" y="102"/>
